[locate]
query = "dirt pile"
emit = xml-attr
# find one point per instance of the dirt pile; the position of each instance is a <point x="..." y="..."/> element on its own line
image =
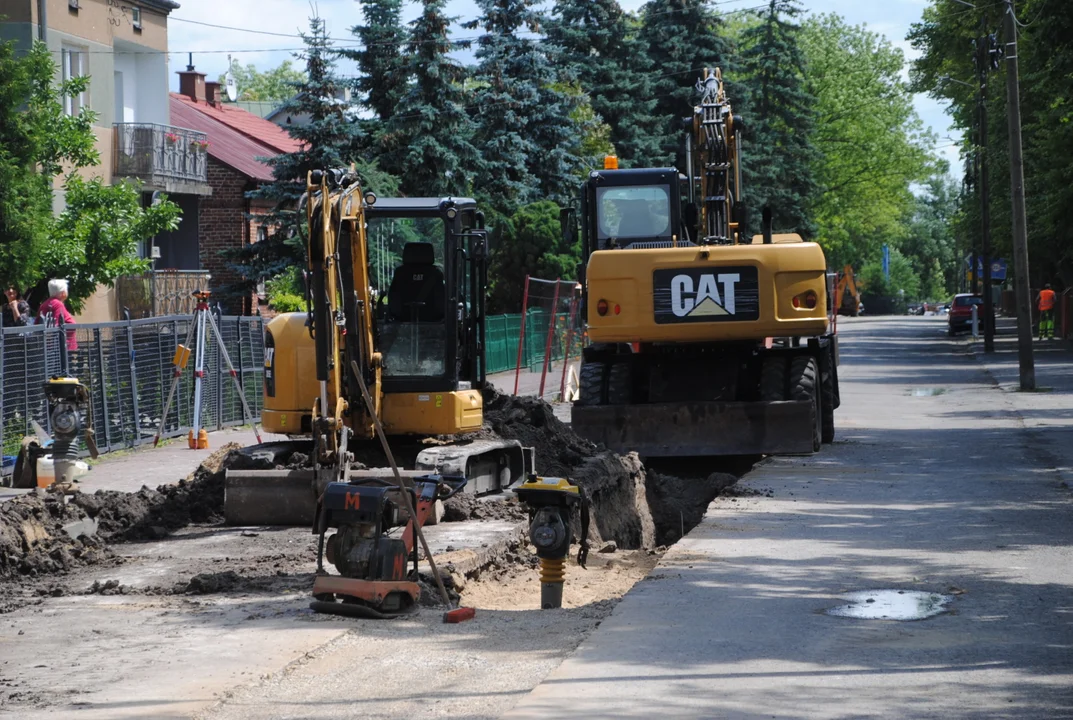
<point x="43" y="535"/>
<point x="465" y="506"/>
<point x="151" y="514"/>
<point x="532" y="422"/>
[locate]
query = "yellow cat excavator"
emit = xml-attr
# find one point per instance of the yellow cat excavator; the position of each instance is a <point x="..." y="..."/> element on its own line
<point x="703" y="341"/>
<point x="419" y="348"/>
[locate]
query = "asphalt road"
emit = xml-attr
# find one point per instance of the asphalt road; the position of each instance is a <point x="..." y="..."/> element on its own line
<point x="942" y="480"/>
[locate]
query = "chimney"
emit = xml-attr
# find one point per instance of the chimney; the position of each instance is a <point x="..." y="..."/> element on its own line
<point x="191" y="82"/>
<point x="212" y="93"/>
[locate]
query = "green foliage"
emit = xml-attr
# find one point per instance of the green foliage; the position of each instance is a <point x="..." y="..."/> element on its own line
<point x="285" y="292"/>
<point x="429" y="136"/>
<point x="944" y="38"/>
<point x="532" y="244"/>
<point x="96" y="238"/>
<point x="383" y="69"/>
<point x="599" y="41"/>
<point x="781" y="160"/>
<point x="279" y="83"/>
<point x="36" y="139"/>
<point x="527" y="137"/>
<point x="331" y="139"/>
<point x="872" y="146"/>
<point x="682" y="38"/>
<point x="929" y="242"/>
<point x="902" y="277"/>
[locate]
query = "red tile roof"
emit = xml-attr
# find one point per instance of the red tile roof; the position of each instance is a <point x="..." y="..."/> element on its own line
<point x="236" y="137"/>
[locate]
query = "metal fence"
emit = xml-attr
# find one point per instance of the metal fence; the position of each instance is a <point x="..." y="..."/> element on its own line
<point x="127" y="366"/>
<point x="502" y="334"/>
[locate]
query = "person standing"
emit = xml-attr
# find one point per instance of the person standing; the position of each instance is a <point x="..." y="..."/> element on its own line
<point x="53" y="311"/>
<point x="1046" y="302"/>
<point x="16" y="312"/>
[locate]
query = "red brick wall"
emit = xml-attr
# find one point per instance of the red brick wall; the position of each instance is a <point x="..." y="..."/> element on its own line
<point x="223" y="225"/>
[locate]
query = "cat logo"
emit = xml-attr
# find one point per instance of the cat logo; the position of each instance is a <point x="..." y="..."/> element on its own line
<point x="706" y="300"/>
<point x="706" y="294"/>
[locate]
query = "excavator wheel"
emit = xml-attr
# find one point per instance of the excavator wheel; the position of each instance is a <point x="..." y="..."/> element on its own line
<point x="591" y="384"/>
<point x="620" y="384"/>
<point x="773" y="379"/>
<point x="804" y="386"/>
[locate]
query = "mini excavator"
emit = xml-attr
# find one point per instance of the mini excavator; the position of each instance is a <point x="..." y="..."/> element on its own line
<point x="418" y="349"/>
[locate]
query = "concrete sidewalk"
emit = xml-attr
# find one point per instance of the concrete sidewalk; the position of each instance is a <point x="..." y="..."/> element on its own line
<point x="939" y="481"/>
<point x="128" y="470"/>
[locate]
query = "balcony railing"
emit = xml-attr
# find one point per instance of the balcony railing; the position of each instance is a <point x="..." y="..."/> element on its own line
<point x="164" y="292"/>
<point x="161" y="155"/>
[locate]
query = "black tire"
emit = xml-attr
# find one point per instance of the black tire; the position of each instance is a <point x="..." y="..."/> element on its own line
<point x="827" y="402"/>
<point x="773" y="378"/>
<point x="591" y="384"/>
<point x="620" y="384"/>
<point x="804" y="385"/>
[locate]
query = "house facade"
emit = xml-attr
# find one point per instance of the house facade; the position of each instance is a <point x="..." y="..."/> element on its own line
<point x="122" y="47"/>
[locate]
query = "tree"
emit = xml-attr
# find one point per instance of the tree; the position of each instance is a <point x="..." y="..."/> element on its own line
<point x="429" y="137"/>
<point x="598" y="40"/>
<point x="872" y="146"/>
<point x="781" y="159"/>
<point x="903" y="279"/>
<point x="682" y="38"/>
<point x="36" y="138"/>
<point x="275" y="84"/>
<point x="531" y="245"/>
<point x="526" y="135"/>
<point x="96" y="238"/>
<point x="331" y="139"/>
<point x="930" y="242"/>
<point x="383" y="69"/>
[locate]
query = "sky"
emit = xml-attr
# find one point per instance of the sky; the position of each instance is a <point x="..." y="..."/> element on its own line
<point x="211" y="46"/>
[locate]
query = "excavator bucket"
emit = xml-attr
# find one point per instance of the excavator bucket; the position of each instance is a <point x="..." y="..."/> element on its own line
<point x="700" y="428"/>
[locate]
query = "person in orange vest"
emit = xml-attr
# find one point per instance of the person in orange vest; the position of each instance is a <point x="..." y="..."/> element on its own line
<point x="1046" y="312"/>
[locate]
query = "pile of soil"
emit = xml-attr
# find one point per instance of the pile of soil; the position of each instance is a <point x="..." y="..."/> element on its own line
<point x="532" y="422"/>
<point x="33" y="539"/>
<point x="152" y="514"/>
<point x="465" y="506"/>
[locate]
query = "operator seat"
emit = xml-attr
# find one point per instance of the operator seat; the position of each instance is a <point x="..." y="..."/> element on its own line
<point x="417" y="287"/>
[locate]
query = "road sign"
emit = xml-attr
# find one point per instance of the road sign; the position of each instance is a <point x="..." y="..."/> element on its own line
<point x="998" y="268"/>
<point x="886" y="263"/>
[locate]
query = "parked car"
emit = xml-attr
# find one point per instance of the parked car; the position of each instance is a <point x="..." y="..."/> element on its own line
<point x="959" y="315"/>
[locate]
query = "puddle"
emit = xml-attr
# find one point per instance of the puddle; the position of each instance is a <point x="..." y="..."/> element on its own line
<point x="927" y="392"/>
<point x="891" y="605"/>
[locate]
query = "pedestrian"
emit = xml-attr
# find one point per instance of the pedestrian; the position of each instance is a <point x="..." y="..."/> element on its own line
<point x="1046" y="300"/>
<point x="53" y="312"/>
<point x="16" y="311"/>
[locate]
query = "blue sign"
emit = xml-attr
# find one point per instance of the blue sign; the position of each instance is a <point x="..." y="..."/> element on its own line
<point x="886" y="263"/>
<point x="998" y="268"/>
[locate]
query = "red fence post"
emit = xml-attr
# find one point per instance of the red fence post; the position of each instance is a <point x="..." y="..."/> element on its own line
<point x="521" y="335"/>
<point x="547" y="346"/>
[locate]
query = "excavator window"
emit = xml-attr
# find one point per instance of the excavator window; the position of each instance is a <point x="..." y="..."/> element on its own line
<point x="633" y="212"/>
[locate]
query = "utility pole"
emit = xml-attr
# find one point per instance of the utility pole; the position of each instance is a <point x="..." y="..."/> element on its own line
<point x="985" y="49"/>
<point x="1017" y="187"/>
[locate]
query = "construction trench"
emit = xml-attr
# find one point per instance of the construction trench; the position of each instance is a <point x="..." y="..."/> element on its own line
<point x="167" y="551"/>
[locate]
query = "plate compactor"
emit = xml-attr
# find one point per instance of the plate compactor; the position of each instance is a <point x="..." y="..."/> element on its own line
<point x="377" y="564"/>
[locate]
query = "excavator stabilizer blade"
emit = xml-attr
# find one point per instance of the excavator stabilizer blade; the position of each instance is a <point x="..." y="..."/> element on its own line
<point x="699" y="428"/>
<point x="270" y="497"/>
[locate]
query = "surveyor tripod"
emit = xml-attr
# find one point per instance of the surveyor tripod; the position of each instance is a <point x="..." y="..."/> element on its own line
<point x="203" y="322"/>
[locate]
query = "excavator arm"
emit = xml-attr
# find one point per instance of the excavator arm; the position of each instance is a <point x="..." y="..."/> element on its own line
<point x="713" y="149"/>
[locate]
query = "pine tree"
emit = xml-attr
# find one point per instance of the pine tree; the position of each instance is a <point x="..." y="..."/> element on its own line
<point x="527" y="136"/>
<point x="331" y="139"/>
<point x="778" y="167"/>
<point x="431" y="134"/>
<point x="598" y="41"/>
<point x="683" y="37"/>
<point x="383" y="78"/>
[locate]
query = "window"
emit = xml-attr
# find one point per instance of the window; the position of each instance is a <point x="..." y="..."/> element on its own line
<point x="136" y="17"/>
<point x="633" y="212"/>
<point x="73" y="65"/>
